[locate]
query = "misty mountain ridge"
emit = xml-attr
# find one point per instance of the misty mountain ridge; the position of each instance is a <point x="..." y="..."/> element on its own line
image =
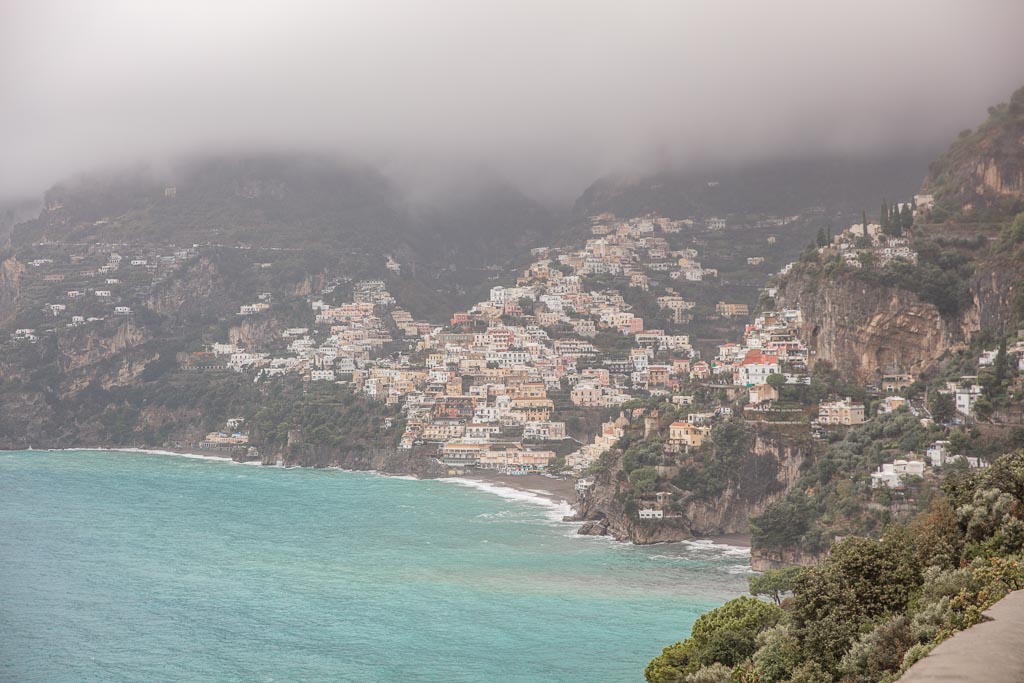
<point x="785" y="186"/>
<point x="295" y="200"/>
<point x="288" y="201"/>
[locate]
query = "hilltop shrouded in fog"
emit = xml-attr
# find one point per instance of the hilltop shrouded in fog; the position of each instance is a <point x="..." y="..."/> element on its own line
<point x="548" y="95"/>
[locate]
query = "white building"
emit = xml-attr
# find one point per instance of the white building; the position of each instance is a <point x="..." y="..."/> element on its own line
<point x="966" y="397"/>
<point x="321" y="375"/>
<point x="891" y="473"/>
<point x="938" y="453"/>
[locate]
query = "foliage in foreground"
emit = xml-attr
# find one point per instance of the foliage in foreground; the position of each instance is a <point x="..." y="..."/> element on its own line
<point x="872" y="607"/>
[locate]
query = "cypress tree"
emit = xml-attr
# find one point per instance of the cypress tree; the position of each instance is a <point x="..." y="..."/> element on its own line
<point x="1000" y="363"/>
<point x="884" y="220"/>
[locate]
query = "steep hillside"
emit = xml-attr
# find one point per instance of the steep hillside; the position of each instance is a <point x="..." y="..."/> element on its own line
<point x="834" y="185"/>
<point x="289" y="202"/>
<point x="981" y="176"/>
<point x="867" y="312"/>
<point x="714" y="491"/>
<point x="870" y="320"/>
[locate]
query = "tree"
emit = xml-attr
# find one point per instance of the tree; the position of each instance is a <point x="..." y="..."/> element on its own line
<point x="879" y="653"/>
<point x="643" y="479"/>
<point x="822" y="238"/>
<point x="774" y="583"/>
<point x="891" y="221"/>
<point x="783" y="524"/>
<point x="1000" y="367"/>
<point x="727" y="636"/>
<point x="860" y="581"/>
<point x="983" y="408"/>
<point x="907" y="217"/>
<point x="942" y="407"/>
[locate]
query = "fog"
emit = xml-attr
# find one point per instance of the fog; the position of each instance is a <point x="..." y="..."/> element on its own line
<point x="547" y="94"/>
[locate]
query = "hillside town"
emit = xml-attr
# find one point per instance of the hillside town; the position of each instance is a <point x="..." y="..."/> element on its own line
<point x="495" y="387"/>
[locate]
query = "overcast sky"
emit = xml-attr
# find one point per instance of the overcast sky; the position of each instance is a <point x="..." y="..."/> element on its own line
<point x="551" y="93"/>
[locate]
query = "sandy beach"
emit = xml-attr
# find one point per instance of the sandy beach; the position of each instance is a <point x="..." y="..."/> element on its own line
<point x="559" y="490"/>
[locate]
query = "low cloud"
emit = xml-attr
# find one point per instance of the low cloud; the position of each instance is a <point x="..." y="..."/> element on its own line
<point x="547" y="94"/>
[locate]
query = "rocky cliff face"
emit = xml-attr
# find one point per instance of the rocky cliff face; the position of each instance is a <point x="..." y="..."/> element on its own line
<point x="729" y="513"/>
<point x="982" y="173"/>
<point x="85" y="346"/>
<point x="11" y="271"/>
<point x="762" y="559"/>
<point x="384" y="460"/>
<point x="254" y="333"/>
<point x="863" y="330"/>
<point x="198" y="291"/>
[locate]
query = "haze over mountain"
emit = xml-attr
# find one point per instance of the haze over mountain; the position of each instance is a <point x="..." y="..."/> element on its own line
<point x="547" y="95"/>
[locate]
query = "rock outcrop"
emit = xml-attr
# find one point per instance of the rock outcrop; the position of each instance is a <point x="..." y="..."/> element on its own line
<point x="11" y="271"/>
<point x="199" y="291"/>
<point x="981" y="175"/>
<point x="763" y="559"/>
<point x="864" y="330"/>
<point x="776" y="461"/>
<point x="385" y="460"/>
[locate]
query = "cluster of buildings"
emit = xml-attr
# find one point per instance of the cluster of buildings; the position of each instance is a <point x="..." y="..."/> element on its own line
<point x="939" y="454"/>
<point x="87" y="283"/>
<point x="487" y="389"/>
<point x="637" y="248"/>
<point x="344" y="340"/>
<point x="861" y="242"/>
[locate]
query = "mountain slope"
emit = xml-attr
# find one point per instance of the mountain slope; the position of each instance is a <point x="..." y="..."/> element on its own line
<point x="981" y="175"/>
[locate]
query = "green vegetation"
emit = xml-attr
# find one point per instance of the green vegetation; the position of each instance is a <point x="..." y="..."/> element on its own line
<point x="726" y="635"/>
<point x="775" y="583"/>
<point x="940" y="277"/>
<point x="954" y="177"/>
<point x="325" y="415"/>
<point x="873" y="607"/>
<point x="833" y="495"/>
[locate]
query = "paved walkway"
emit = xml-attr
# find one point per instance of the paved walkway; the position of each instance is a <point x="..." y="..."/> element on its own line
<point x="992" y="651"/>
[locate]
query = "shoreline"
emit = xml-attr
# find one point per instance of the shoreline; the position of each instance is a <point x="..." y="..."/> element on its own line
<point x="558" y="490"/>
<point x="558" y="493"/>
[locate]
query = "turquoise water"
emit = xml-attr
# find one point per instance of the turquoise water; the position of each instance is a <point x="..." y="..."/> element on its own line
<point x="137" y="567"/>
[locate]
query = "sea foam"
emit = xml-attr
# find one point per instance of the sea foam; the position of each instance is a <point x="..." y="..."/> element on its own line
<point x="556" y="510"/>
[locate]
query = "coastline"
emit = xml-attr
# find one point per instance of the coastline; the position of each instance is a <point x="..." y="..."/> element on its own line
<point x="559" y="494"/>
<point x="560" y="490"/>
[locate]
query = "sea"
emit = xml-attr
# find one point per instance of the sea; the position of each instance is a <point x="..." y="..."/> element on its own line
<point x="135" y="566"/>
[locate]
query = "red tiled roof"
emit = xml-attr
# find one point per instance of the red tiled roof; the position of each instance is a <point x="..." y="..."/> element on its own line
<point x="756" y="357"/>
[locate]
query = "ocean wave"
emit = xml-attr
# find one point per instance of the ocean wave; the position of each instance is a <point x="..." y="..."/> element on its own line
<point x="154" y="451"/>
<point x="707" y="544"/>
<point x="555" y="509"/>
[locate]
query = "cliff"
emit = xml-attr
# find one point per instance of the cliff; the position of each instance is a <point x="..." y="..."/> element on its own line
<point x="385" y="460"/>
<point x="11" y="271"/>
<point x="763" y="559"/>
<point x="981" y="176"/>
<point x="769" y="470"/>
<point x="863" y="329"/>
